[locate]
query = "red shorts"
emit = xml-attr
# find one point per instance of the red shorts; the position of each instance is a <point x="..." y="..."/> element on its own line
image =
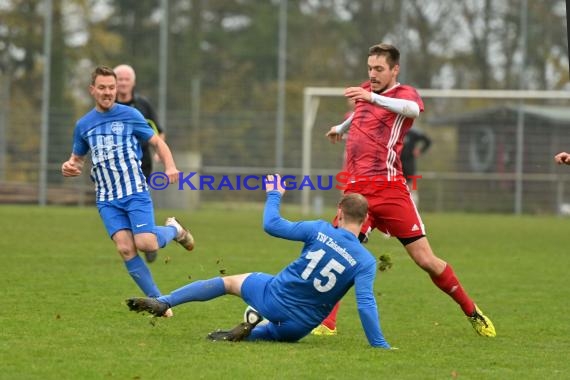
<point x="390" y="209"/>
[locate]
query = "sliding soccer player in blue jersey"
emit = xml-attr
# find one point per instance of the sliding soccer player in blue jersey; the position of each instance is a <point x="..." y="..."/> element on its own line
<point x="113" y="133"/>
<point x="298" y="298"/>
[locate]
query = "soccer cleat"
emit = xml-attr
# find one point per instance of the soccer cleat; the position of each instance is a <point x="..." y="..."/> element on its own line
<point x="241" y="331"/>
<point x="150" y="257"/>
<point x="482" y="325"/>
<point x="184" y="237"/>
<point x="149" y="305"/>
<point x="322" y="330"/>
<point x="237" y="334"/>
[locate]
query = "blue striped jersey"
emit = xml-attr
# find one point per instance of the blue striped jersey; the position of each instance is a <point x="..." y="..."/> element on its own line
<point x="114" y="139"/>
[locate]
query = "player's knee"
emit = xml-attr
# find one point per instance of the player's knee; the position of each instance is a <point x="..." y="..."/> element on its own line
<point x="232" y="284"/>
<point x="229" y="285"/>
<point x="127" y="251"/>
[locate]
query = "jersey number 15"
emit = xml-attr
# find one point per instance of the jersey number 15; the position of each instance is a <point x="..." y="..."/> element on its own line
<point x="328" y="271"/>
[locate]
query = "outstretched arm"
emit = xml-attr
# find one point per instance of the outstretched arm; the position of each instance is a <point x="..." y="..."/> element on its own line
<point x="403" y="107"/>
<point x="273" y="223"/>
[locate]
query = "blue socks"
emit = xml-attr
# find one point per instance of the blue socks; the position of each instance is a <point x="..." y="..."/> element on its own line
<point x="142" y="276"/>
<point x="139" y="270"/>
<point x="196" y="291"/>
<point x="164" y="234"/>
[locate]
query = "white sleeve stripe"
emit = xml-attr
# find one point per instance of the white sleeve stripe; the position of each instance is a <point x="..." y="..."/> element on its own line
<point x="395" y="134"/>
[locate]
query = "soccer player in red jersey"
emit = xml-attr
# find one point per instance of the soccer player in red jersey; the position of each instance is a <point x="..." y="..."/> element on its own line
<point x="384" y="111"/>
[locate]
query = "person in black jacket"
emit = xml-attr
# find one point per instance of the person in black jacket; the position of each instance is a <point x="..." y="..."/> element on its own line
<point x="416" y="143"/>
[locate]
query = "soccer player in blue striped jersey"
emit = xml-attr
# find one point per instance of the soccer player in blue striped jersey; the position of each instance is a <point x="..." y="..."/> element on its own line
<point x="298" y="298"/>
<point x="113" y="133"/>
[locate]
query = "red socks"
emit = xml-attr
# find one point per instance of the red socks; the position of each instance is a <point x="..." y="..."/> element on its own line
<point x="448" y="282"/>
<point x="330" y="321"/>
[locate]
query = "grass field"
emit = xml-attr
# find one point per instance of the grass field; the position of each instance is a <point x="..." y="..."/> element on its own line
<point x="64" y="315"/>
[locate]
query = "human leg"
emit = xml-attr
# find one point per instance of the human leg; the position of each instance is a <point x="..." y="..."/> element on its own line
<point x="140" y="213"/>
<point x="202" y="290"/>
<point x="184" y="236"/>
<point x="136" y="267"/>
<point x="396" y="214"/>
<point x="118" y="226"/>
<point x="149" y="243"/>
<point x="281" y="327"/>
<point x="148" y="236"/>
<point x="288" y="331"/>
<point x="443" y="276"/>
<point x="440" y="272"/>
<point x="150" y="257"/>
<point x="328" y="325"/>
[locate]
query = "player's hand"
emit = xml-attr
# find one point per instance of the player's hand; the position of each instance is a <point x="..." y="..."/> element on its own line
<point x="562" y="158"/>
<point x="273" y="182"/>
<point x="70" y="169"/>
<point x="172" y="174"/>
<point x="358" y="94"/>
<point x="333" y="135"/>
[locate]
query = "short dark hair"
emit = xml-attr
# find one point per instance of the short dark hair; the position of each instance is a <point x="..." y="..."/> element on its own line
<point x="389" y="51"/>
<point x="354" y="206"/>
<point x="102" y="71"/>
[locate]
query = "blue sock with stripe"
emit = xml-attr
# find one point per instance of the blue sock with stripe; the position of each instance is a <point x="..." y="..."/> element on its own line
<point x="203" y="290"/>
<point x="142" y="276"/>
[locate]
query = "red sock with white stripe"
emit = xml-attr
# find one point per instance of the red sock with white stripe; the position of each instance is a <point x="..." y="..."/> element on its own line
<point x="448" y="282"/>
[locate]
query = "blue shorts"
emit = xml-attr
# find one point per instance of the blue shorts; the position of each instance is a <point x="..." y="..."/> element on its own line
<point x="134" y="212"/>
<point x="255" y="292"/>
